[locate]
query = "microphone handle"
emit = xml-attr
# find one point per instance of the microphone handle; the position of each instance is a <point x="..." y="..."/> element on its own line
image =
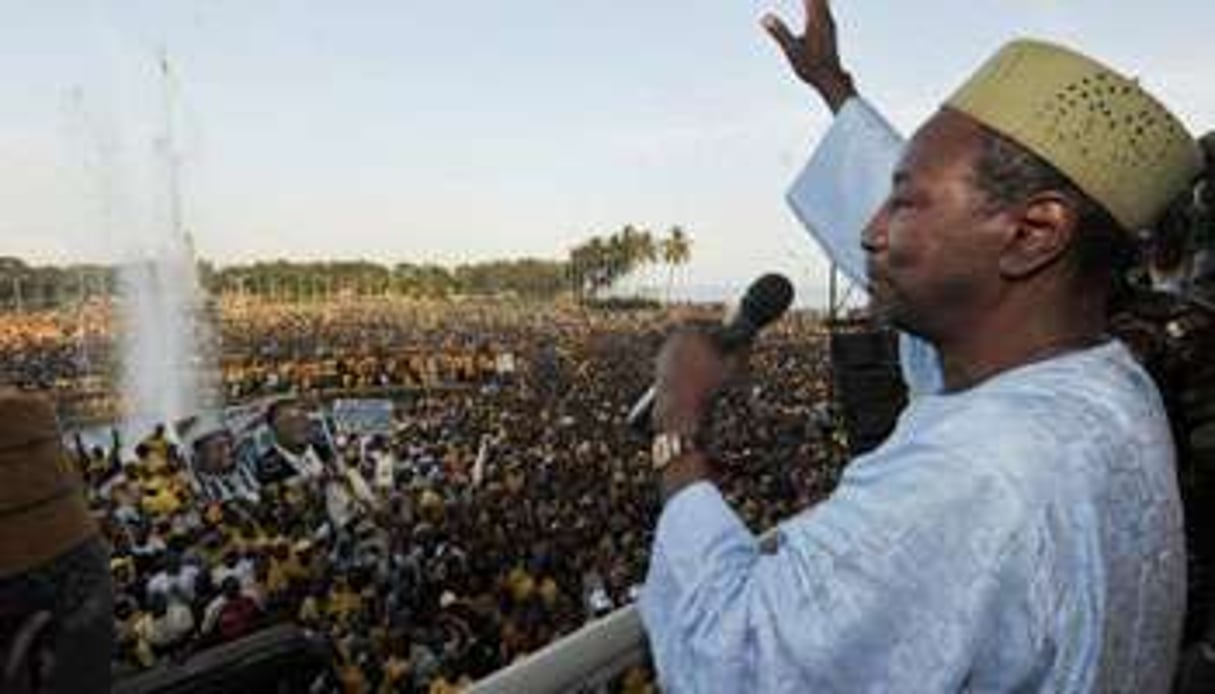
<point x="641" y="416"/>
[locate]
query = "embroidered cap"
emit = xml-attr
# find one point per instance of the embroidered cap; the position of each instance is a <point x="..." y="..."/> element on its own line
<point x="1111" y="138"/>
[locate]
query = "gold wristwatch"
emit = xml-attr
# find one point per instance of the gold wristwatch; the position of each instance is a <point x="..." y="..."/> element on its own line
<point x="669" y="446"/>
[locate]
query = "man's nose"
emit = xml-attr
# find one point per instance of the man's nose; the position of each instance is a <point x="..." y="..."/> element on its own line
<point x="875" y="233"/>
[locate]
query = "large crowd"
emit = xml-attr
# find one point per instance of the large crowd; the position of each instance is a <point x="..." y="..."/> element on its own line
<point x="271" y="349"/>
<point x="64" y="350"/>
<point x="487" y="520"/>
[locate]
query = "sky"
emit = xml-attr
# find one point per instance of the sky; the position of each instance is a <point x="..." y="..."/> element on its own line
<point x="451" y="132"/>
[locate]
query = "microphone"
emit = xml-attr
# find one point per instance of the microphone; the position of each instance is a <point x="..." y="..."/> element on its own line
<point x="766" y="300"/>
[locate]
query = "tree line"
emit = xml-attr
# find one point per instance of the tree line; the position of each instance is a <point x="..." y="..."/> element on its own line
<point x="597" y="264"/>
<point x="590" y="269"/>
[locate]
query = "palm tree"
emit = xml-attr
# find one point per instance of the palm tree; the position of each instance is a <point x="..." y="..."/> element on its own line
<point x="638" y="248"/>
<point x="676" y="251"/>
<point x="648" y="252"/>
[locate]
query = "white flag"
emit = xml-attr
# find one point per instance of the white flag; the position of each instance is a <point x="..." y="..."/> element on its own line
<point x="478" y="471"/>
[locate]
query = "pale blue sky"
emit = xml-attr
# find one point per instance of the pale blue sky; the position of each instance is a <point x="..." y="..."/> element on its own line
<point x="456" y="131"/>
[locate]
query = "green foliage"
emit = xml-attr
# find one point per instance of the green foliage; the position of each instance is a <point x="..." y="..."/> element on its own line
<point x="592" y="267"/>
<point x="598" y="263"/>
<point x="528" y="277"/>
<point x="283" y="280"/>
<point x="25" y="287"/>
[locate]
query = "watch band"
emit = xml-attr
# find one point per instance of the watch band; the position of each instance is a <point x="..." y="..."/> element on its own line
<point x="668" y="446"/>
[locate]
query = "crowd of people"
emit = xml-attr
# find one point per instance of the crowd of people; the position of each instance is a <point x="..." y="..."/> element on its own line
<point x="265" y="349"/>
<point x="483" y="523"/>
<point x="382" y="344"/>
<point x="64" y="351"/>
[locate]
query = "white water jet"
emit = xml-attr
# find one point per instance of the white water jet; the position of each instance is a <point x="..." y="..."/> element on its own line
<point x="167" y="368"/>
<point x="164" y="368"/>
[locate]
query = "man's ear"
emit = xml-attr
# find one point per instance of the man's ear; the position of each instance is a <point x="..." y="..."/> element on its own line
<point x="1044" y="227"/>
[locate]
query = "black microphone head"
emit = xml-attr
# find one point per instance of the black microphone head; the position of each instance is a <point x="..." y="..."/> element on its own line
<point x="766" y="300"/>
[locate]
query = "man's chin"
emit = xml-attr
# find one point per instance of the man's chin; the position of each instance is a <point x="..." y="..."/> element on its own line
<point x="882" y="311"/>
<point x="889" y="314"/>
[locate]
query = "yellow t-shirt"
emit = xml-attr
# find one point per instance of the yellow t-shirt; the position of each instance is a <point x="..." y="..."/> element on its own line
<point x="521" y="584"/>
<point x="549" y="592"/>
<point x="343" y="603"/>
<point x="161" y="501"/>
<point x="278" y="577"/>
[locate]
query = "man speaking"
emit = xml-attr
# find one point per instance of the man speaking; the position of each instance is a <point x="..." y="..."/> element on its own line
<point x="1020" y="530"/>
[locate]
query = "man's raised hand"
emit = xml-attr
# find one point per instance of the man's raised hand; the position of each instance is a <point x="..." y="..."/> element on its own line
<point x="814" y="55"/>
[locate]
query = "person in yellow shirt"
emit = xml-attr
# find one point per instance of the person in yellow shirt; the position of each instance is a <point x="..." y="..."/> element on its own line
<point x="157" y="444"/>
<point x="521" y="585"/>
<point x="343" y="602"/>
<point x="158" y="499"/>
<point x="213" y="514"/>
<point x="278" y="575"/>
<point x="487" y="364"/>
<point x="310" y="611"/>
<point x="430" y="506"/>
<point x="155" y="462"/>
<point x="637" y="680"/>
<point x="179" y="484"/>
<point x="302" y="561"/>
<point x="549" y="592"/>
<point x="442" y="685"/>
<point x="249" y="540"/>
<point x="122" y="572"/>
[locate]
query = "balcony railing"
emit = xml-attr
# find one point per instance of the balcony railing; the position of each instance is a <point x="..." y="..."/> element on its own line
<point x="589" y="658"/>
<point x="583" y="661"/>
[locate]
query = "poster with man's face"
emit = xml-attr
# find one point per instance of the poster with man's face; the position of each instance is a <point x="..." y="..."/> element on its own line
<point x="216" y="454"/>
<point x="290" y="426"/>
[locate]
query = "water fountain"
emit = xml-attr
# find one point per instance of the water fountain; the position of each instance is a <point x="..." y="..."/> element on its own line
<point x="167" y="371"/>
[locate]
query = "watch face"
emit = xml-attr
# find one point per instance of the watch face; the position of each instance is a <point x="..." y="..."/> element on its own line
<point x="667" y="447"/>
<point x="661" y="450"/>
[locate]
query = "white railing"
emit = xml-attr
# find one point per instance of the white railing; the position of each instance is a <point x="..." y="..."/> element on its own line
<point x="583" y="661"/>
<point x="588" y="658"/>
